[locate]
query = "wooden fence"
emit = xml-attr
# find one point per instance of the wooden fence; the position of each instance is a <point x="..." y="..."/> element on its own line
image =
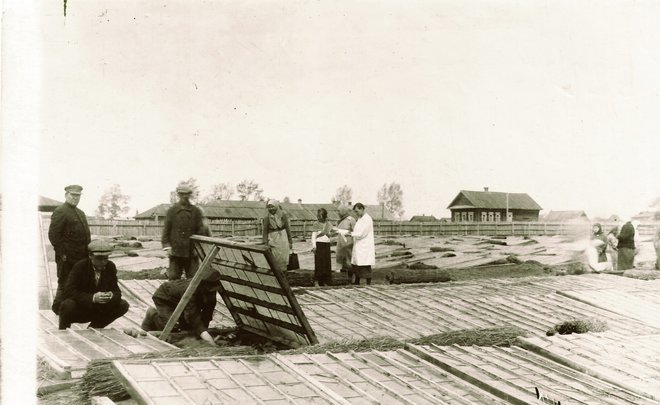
<point x="381" y="228"/>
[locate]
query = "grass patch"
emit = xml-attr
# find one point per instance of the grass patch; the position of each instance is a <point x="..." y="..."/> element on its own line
<point x="149" y="274"/>
<point x="578" y="326"/>
<point x="502" y="337"/>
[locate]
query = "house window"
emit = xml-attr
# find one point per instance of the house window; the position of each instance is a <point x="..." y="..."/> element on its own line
<point x="471" y="216"/>
<point x="463" y="216"/>
<point x="497" y="217"/>
<point x="457" y="217"/>
<point x="509" y="217"/>
<point x="491" y="216"/>
<point x="484" y="217"/>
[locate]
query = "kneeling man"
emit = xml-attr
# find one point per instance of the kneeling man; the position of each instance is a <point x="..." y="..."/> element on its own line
<point x="91" y="293"/>
<point x="196" y="315"/>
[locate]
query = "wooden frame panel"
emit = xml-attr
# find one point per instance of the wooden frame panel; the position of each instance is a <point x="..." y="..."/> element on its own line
<point x="256" y="293"/>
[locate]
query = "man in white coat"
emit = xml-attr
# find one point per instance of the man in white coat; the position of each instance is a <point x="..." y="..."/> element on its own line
<point x="364" y="250"/>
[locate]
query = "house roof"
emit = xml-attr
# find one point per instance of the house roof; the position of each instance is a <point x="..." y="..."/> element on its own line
<point x="44" y="202"/>
<point x="48" y="202"/>
<point x="565" y="216"/>
<point x="233" y="209"/>
<point x="493" y="200"/>
<point x="423" y="218"/>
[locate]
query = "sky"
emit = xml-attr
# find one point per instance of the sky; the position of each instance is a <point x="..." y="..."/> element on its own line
<point x="557" y="99"/>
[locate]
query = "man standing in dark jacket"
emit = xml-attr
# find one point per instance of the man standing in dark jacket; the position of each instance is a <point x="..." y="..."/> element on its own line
<point x="69" y="235"/>
<point x="626" y="247"/>
<point x="196" y="315"/>
<point x="181" y="222"/>
<point x="91" y="293"/>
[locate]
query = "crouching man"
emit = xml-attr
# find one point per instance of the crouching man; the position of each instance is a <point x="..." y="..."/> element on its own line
<point x="91" y="293"/>
<point x="195" y="317"/>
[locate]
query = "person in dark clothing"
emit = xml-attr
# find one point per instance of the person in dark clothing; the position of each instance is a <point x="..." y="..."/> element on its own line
<point x="626" y="247"/>
<point x="197" y="314"/>
<point x="69" y="234"/>
<point x="91" y="293"/>
<point x="321" y="233"/>
<point x="181" y="222"/>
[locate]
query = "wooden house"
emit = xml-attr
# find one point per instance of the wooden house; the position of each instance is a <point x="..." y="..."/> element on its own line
<point x="492" y="206"/>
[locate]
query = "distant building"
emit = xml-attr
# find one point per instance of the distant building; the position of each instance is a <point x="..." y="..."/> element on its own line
<point x="646" y="216"/>
<point x="251" y="210"/>
<point x="492" y="206"/>
<point x="423" y="218"/>
<point x="48" y="204"/>
<point x="45" y="204"/>
<point x="566" y="216"/>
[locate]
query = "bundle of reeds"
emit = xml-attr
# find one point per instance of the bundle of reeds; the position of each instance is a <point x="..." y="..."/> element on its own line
<point x="502" y="337"/>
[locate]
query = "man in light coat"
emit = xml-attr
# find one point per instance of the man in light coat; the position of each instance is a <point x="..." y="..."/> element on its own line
<point x="364" y="250"/>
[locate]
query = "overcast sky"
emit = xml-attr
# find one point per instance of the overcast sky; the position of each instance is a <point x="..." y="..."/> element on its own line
<point x="558" y="99"/>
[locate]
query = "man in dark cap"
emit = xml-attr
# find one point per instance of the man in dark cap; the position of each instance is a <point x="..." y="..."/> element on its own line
<point x="196" y="315"/>
<point x="69" y="235"/>
<point x="91" y="293"/>
<point x="181" y="221"/>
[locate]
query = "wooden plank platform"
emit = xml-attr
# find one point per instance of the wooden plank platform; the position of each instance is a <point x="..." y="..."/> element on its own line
<point x="643" y="305"/>
<point x="630" y="362"/>
<point x="518" y="376"/>
<point x="418" y="310"/>
<point x="69" y="351"/>
<point x="393" y="377"/>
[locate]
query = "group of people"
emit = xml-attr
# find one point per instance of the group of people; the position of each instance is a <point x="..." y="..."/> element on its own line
<point x="87" y="286"/>
<point x="620" y="245"/>
<point x="88" y="289"/>
<point x="355" y="251"/>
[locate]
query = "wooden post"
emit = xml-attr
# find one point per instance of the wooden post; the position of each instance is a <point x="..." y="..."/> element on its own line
<point x="194" y="283"/>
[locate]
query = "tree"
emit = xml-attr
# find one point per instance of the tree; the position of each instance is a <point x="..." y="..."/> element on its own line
<point x="221" y="191"/>
<point x="113" y="203"/>
<point x="192" y="183"/>
<point x="343" y="195"/>
<point x="249" y="190"/>
<point x="286" y="199"/>
<point x="391" y="197"/>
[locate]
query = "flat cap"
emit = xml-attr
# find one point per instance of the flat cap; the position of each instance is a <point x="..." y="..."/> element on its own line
<point x="184" y="190"/>
<point x="73" y="188"/>
<point x="100" y="248"/>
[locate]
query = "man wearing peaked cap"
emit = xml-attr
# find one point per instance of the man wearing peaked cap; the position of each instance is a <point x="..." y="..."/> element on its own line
<point x="181" y="222"/>
<point x="73" y="189"/>
<point x="69" y="234"/>
<point x="183" y="190"/>
<point x="92" y="293"/>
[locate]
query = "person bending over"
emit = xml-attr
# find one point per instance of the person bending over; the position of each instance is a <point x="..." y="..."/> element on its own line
<point x="195" y="317"/>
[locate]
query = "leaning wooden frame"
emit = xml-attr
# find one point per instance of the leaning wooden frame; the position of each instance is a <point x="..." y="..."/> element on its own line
<point x="255" y="292"/>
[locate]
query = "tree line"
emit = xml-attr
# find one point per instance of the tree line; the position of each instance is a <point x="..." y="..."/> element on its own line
<point x="114" y="204"/>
